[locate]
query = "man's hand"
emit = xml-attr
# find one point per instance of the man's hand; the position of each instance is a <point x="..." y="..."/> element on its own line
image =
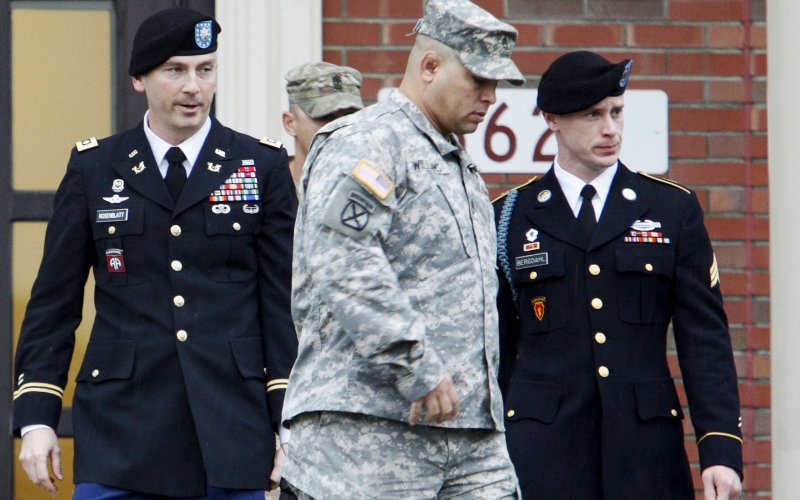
<point x="721" y="483"/>
<point x="275" y="475"/>
<point x="438" y="405"/>
<point x="38" y="446"/>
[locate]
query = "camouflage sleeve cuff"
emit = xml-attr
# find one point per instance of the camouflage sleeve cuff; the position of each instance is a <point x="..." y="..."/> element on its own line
<point x="428" y="372"/>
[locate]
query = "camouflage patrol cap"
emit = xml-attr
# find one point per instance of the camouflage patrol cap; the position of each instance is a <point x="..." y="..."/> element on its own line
<point x="578" y="80"/>
<point x="322" y="88"/>
<point x="481" y="41"/>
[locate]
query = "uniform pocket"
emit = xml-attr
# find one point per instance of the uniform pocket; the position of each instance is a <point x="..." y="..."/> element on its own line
<point x="532" y="399"/>
<point x="542" y="290"/>
<point x="114" y="231"/>
<point x="107" y="360"/>
<point x="230" y="253"/>
<point x="657" y="398"/>
<point x="249" y="356"/>
<point x="644" y="286"/>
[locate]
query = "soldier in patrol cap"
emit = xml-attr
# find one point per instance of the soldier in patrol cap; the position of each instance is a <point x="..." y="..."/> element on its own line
<point x="595" y="262"/>
<point x="394" y="392"/>
<point x="187" y="228"/>
<point x="318" y="94"/>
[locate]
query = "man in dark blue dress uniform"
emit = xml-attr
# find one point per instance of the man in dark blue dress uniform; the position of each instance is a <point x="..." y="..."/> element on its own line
<point x="187" y="227"/>
<point x="596" y="261"/>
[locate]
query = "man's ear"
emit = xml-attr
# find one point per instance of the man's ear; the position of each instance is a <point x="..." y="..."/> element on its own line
<point x="430" y="63"/>
<point x="551" y="120"/>
<point x="138" y="84"/>
<point x="289" y="123"/>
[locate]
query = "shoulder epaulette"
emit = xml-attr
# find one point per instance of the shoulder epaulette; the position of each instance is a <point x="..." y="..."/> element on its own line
<point x="86" y="144"/>
<point x="518" y="188"/>
<point x="271" y="142"/>
<point x="668" y="182"/>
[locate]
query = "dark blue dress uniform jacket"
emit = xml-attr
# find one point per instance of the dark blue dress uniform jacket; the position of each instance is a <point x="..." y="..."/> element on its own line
<point x="183" y="379"/>
<point x="591" y="408"/>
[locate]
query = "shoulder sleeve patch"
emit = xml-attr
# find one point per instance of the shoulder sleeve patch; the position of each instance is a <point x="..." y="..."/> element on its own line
<point x="668" y="182"/>
<point x="518" y="188"/>
<point x="271" y="142"/>
<point x="373" y="179"/>
<point x="86" y="144"/>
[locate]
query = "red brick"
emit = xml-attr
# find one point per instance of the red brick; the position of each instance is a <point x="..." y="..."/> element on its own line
<point x="726" y="91"/>
<point x="677" y="90"/>
<point x="710" y="119"/>
<point x="535" y="62"/>
<point x="760" y="451"/>
<point x="644" y="63"/>
<point x="734" y="284"/>
<point x="707" y="173"/>
<point x="344" y="33"/>
<point x="704" y="63"/>
<point x="397" y="33"/>
<point x="760" y="146"/>
<point x="760" y="255"/>
<point x="378" y="61"/>
<point x="334" y="56"/>
<point x="494" y="192"/>
<point x="726" y="200"/>
<point x="494" y="178"/>
<point x="759" y="64"/>
<point x="529" y="34"/>
<point x="760" y="174"/>
<point x="705" y="10"/>
<point x="702" y="198"/>
<point x="758" y="477"/>
<point x="726" y="228"/>
<point x="584" y="35"/>
<point x="687" y="146"/>
<point x="760" y="201"/>
<point x="384" y="8"/>
<point x="758" y="36"/>
<point x="331" y="8"/>
<point x="730" y="256"/>
<point x="664" y="35"/>
<point x="726" y="146"/>
<point x="370" y="87"/>
<point x="758" y="119"/>
<point x="495" y="7"/>
<point x="517" y="179"/>
<point x="726" y="37"/>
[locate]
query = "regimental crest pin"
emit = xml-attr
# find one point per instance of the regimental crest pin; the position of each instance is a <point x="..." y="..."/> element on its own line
<point x="544" y="196"/>
<point x="138" y="169"/>
<point x="538" y="307"/>
<point x="532" y="234"/>
<point x="133" y="153"/>
<point x="118" y="185"/>
<point x="214" y="167"/>
<point x="115" y="261"/>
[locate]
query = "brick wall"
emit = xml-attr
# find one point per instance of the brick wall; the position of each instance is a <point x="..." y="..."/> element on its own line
<point x="710" y="58"/>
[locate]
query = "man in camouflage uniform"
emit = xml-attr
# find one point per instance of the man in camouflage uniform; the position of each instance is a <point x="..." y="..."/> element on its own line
<point x="318" y="94"/>
<point x="394" y="284"/>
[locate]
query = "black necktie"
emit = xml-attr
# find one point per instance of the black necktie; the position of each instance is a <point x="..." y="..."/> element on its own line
<point x="176" y="174"/>
<point x="586" y="217"/>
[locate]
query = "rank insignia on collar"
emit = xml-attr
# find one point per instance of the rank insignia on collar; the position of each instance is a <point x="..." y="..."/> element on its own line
<point x="133" y="153"/>
<point x="219" y="152"/>
<point x="138" y="169"/>
<point x="538" y="307"/>
<point x="214" y="167"/>
<point x="629" y="194"/>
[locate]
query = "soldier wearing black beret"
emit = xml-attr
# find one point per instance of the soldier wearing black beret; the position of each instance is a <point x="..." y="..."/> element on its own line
<point x="595" y="263"/>
<point x="187" y="228"/>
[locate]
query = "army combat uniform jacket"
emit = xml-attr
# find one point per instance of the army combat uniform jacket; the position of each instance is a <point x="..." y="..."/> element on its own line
<point x="591" y="407"/>
<point x="394" y="280"/>
<point x="183" y="378"/>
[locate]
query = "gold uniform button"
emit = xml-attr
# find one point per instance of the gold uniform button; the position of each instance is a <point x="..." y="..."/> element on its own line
<point x="597" y="303"/>
<point x="594" y="269"/>
<point x="673" y="412"/>
<point x="648" y="267"/>
<point x="600" y="337"/>
<point x="175" y="230"/>
<point x="112" y="230"/>
<point x="182" y="335"/>
<point x="176" y="265"/>
<point x="533" y="275"/>
<point x="95" y="373"/>
<point x="603" y="371"/>
<point x="236" y="226"/>
<point x="510" y="413"/>
<point x="178" y="301"/>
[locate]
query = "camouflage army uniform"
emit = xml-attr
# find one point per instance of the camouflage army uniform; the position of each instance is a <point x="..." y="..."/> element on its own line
<point x="394" y="280"/>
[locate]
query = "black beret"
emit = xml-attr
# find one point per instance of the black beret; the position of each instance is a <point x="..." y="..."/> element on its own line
<point x="579" y="80"/>
<point x="172" y="32"/>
